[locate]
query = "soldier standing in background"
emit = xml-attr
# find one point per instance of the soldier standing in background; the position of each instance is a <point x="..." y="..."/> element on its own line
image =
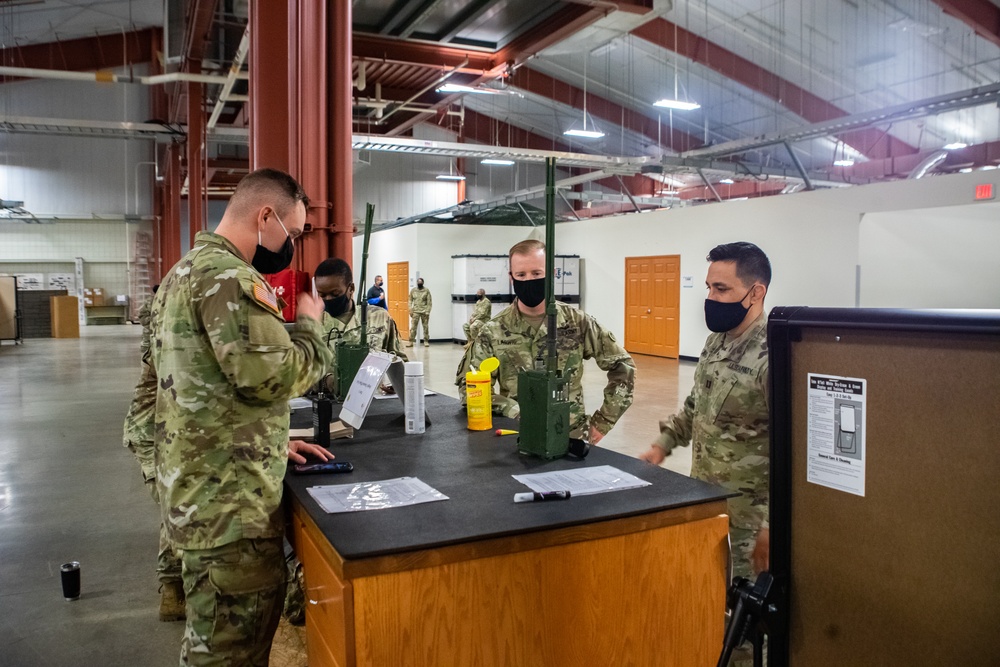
<point x="516" y="336"/>
<point x="480" y="315"/>
<point x="420" y="312"/>
<point x="377" y="292"/>
<point x="726" y="415"/>
<point x="226" y="369"/>
<point x="138" y="438"/>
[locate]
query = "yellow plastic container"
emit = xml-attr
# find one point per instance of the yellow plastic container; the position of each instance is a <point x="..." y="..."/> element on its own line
<point x="479" y="395"/>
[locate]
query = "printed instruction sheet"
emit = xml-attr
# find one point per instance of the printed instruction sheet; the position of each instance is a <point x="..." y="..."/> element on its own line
<point x="582" y="481"/>
<point x="384" y="494"/>
<point x="836" y="440"/>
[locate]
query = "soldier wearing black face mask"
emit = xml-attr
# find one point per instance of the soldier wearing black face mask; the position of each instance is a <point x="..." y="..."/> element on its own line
<point x="518" y="334"/>
<point x="726" y="416"/>
<point x="342" y="319"/>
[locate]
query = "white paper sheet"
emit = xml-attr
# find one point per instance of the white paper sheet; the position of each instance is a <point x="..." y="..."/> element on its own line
<point x="582" y="481"/>
<point x="384" y="494"/>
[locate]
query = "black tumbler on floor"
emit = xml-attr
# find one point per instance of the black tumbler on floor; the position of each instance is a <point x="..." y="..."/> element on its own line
<point x="70" y="573"/>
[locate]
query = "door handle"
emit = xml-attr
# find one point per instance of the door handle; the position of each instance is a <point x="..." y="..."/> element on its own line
<point x="648" y="311"/>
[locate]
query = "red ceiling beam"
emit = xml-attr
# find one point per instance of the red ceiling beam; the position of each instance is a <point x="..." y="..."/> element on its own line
<point x="872" y="142"/>
<point x="198" y="32"/>
<point x="555" y="29"/>
<point x="981" y="15"/>
<point x="543" y="85"/>
<point x="87" y="54"/>
<point x="386" y="49"/>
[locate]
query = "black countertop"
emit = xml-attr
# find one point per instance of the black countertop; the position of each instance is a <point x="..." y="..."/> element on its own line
<point x="472" y="468"/>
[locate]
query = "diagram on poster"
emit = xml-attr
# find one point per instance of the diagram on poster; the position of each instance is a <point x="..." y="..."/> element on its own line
<point x="836" y="441"/>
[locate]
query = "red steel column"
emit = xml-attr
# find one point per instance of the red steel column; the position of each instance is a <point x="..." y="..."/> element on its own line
<point x="269" y="93"/>
<point x="308" y="123"/>
<point x="341" y="177"/>
<point x="196" y="170"/>
<point x="170" y="237"/>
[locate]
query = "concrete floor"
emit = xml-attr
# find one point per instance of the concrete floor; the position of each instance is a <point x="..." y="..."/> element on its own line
<point x="70" y="491"/>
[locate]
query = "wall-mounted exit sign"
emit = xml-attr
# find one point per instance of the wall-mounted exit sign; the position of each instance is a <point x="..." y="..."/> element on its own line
<point x="985" y="191"/>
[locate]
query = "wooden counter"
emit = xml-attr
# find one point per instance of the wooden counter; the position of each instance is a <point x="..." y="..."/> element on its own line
<point x="632" y="577"/>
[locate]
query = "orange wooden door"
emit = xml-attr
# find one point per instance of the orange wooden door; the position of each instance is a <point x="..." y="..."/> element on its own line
<point x="652" y="305"/>
<point x="397" y="295"/>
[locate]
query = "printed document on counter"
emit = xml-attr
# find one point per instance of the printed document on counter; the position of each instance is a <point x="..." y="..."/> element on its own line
<point x="582" y="481"/>
<point x="384" y="494"/>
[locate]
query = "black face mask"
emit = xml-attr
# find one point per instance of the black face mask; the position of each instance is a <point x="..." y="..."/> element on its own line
<point x="338" y="305"/>
<point x="480" y="297"/>
<point x="269" y="261"/>
<point x="721" y="317"/>
<point x="530" y="292"/>
<point x="420" y="285"/>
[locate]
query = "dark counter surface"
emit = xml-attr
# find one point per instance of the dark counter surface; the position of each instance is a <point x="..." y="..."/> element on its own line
<point x="472" y="468"/>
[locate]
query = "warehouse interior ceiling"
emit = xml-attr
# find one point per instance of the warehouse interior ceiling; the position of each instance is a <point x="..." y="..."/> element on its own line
<point x="788" y="93"/>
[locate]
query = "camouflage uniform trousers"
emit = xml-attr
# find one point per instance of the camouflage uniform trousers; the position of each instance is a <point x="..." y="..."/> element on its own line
<point x="418" y="318"/>
<point x="234" y="598"/>
<point x="168" y="563"/>
<point x="472" y="330"/>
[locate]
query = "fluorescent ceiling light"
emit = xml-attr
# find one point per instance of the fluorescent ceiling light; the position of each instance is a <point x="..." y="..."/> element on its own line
<point x="490" y="160"/>
<point x="586" y="134"/>
<point x="846" y="162"/>
<point x="450" y="177"/>
<point x="727" y="181"/>
<point x="955" y="145"/>
<point x="459" y="88"/>
<point x="677" y="104"/>
<point x="988" y="167"/>
<point x="967" y="170"/>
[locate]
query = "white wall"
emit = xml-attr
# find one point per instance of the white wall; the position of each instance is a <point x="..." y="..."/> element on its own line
<point x="75" y="175"/>
<point x="932" y="258"/>
<point x="814" y="241"/>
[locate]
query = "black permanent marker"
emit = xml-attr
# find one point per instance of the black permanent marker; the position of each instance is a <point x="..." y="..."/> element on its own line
<point x="535" y="496"/>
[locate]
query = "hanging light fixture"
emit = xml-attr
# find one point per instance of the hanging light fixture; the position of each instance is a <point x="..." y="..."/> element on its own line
<point x="451" y="175"/>
<point x="676" y="102"/>
<point x="497" y="162"/>
<point x="585" y="133"/>
<point x="955" y="145"/>
<point x="844" y="160"/>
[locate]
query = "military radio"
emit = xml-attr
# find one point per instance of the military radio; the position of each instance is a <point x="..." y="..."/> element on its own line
<point x="542" y="391"/>
<point x="350" y="356"/>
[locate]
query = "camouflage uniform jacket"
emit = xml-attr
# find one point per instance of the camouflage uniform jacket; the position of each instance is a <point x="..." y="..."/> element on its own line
<point x="138" y="432"/>
<point x="482" y="311"/>
<point x="420" y="300"/>
<point x="382" y="332"/>
<point x="509" y="338"/>
<point x="226" y="369"/>
<point x="726" y="419"/>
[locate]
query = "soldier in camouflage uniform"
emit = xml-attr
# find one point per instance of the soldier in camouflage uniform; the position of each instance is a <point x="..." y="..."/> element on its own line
<point x="226" y="368"/>
<point x="420" y="312"/>
<point x="342" y="319"/>
<point x="138" y="438"/>
<point x="480" y="315"/>
<point x="726" y="415"/>
<point x="516" y="336"/>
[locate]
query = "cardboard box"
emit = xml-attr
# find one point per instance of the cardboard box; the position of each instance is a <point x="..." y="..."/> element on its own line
<point x="121" y="299"/>
<point x="94" y="297"/>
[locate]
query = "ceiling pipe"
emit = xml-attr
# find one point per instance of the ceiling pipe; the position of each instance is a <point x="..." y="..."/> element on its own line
<point x="104" y="76"/>
<point x="931" y="161"/>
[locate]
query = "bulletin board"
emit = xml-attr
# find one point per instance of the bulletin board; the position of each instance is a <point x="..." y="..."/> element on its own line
<point x="906" y="571"/>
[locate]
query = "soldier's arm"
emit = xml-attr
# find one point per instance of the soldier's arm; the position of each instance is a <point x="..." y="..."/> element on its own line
<point x="430" y="301"/>
<point x="676" y="430"/>
<point x="392" y="342"/>
<point x="482" y="349"/>
<point x="262" y="361"/>
<point x="612" y="358"/>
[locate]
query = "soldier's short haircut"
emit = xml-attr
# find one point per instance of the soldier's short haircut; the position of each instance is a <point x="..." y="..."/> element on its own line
<point x="526" y="247"/>
<point x="335" y="267"/>
<point x="269" y="183"/>
<point x="752" y="265"/>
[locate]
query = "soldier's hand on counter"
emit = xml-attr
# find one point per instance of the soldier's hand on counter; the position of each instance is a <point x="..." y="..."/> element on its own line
<point x="310" y="306"/>
<point x="654" y="455"/>
<point x="595" y="435"/>
<point x="296" y="449"/>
